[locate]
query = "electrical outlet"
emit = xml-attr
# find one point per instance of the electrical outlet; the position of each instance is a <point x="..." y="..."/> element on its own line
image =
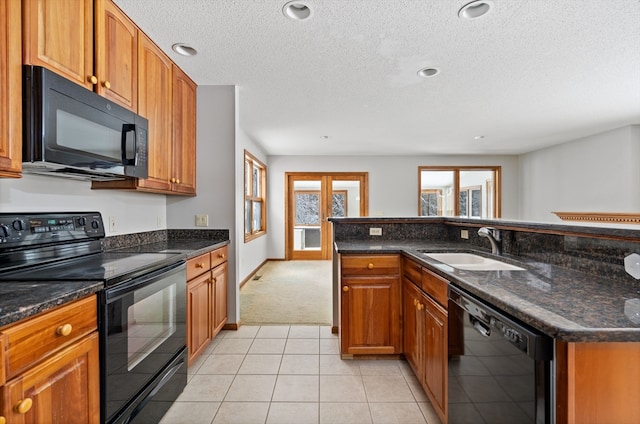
<point x="375" y="231"/>
<point x="112" y="224"/>
<point x="202" y="220"/>
<point x="464" y="234"/>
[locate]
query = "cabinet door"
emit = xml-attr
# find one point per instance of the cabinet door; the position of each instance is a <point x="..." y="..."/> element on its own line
<point x="436" y="355"/>
<point x="413" y="331"/>
<point x="183" y="175"/>
<point x="58" y="34"/>
<point x="199" y="306"/>
<point x="64" y="389"/>
<point x="116" y="48"/>
<point x="154" y="103"/>
<point x="219" y="276"/>
<point x="371" y="315"/>
<point x="10" y="86"/>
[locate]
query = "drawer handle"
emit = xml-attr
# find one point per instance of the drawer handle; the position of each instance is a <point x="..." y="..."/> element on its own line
<point x="370" y="266"/>
<point x="345" y="288"/>
<point x="221" y="256"/>
<point x="24" y="406"/>
<point x="200" y="265"/>
<point x="64" y="330"/>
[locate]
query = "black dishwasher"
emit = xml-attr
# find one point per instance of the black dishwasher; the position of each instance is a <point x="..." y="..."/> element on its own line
<point x="500" y="370"/>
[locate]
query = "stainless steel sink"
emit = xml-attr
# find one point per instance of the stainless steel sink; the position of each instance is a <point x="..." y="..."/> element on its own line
<point x="472" y="262"/>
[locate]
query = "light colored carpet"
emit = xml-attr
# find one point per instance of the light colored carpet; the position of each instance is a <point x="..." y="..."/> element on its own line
<point x="288" y="292"/>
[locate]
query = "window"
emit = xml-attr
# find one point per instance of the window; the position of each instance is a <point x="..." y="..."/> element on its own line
<point x="255" y="197"/>
<point x="471" y="192"/>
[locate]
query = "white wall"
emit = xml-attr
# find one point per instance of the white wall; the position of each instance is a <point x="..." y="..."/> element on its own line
<point x="133" y="212"/>
<point x="599" y="173"/>
<point x="215" y="177"/>
<point x="393" y="184"/>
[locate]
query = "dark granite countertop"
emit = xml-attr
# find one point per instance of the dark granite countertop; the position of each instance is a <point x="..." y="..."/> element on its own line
<point x="20" y="300"/>
<point x="189" y="247"/>
<point x="563" y="303"/>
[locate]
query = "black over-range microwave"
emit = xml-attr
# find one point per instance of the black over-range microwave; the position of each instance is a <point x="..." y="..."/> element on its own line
<point x="73" y="132"/>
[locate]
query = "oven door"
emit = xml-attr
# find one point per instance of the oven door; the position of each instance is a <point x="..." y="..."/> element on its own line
<point x="143" y="329"/>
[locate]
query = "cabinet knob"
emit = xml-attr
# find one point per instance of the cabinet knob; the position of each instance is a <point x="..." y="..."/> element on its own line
<point x="200" y="265"/>
<point x="24" y="405"/>
<point x="345" y="288"/>
<point x="64" y="330"/>
<point x="415" y="302"/>
<point x="177" y="180"/>
<point x="420" y="306"/>
<point x="92" y="79"/>
<point x="370" y="266"/>
<point x="3" y="420"/>
<point x="106" y="84"/>
<point x="215" y="279"/>
<point x="221" y="256"/>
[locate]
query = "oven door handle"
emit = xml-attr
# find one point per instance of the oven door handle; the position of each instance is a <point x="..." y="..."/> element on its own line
<point x="136" y="283"/>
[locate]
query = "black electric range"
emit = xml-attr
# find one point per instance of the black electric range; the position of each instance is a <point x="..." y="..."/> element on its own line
<point x="143" y="294"/>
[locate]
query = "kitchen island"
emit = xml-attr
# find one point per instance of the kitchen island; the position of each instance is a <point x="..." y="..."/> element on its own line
<point x="573" y="288"/>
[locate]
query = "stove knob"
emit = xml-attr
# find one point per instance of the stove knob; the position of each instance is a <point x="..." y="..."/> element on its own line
<point x="4" y="230"/>
<point x="18" y="225"/>
<point x="95" y="224"/>
<point x="82" y="221"/>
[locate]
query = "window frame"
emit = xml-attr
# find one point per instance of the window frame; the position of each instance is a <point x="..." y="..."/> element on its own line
<point x="250" y="161"/>
<point x="495" y="199"/>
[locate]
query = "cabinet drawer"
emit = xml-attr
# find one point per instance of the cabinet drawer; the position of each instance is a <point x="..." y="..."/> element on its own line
<point x="218" y="256"/>
<point x="198" y="265"/>
<point x="412" y="271"/>
<point x="370" y="265"/>
<point x="33" y="339"/>
<point x="435" y="286"/>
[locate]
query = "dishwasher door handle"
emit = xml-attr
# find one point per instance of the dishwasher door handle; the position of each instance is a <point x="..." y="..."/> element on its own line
<point x="479" y="326"/>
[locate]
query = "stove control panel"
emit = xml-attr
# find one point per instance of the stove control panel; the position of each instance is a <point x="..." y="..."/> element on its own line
<point x="19" y="230"/>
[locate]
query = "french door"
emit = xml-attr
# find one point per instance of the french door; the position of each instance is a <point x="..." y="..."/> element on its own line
<point x="314" y="197"/>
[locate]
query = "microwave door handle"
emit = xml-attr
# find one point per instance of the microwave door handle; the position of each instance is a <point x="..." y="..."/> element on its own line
<point x="128" y="128"/>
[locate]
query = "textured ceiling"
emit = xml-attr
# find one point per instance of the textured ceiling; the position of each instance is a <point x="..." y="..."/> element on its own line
<point x="530" y="74"/>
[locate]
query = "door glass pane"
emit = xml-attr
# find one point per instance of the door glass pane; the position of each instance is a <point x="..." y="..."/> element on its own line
<point x="345" y="198"/>
<point x="437" y="193"/>
<point x="306" y="230"/>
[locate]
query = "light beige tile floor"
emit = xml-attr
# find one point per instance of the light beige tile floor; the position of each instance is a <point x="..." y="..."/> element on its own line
<point x="294" y="374"/>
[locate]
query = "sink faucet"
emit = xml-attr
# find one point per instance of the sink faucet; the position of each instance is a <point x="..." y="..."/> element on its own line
<point x="494" y="237"/>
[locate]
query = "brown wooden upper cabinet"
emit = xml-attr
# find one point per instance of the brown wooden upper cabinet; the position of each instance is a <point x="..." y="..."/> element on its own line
<point x="11" y="98"/>
<point x="70" y="36"/>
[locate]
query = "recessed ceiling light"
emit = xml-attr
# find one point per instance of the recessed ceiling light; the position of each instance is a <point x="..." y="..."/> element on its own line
<point x="475" y="9"/>
<point x="428" y="72"/>
<point x="184" y="49"/>
<point x="478" y="137"/>
<point x="296" y="10"/>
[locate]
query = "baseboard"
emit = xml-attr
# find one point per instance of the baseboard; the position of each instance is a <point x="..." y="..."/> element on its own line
<point x="233" y="326"/>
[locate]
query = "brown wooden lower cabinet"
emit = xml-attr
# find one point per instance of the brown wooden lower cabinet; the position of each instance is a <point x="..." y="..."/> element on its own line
<point x="206" y="299"/>
<point x="51" y="363"/>
<point x="426" y="332"/>
<point x="371" y="308"/>
<point x="597" y="383"/>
